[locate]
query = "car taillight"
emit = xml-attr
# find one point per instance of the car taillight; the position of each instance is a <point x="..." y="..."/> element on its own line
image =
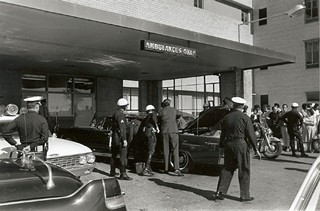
<point x="91" y="158"/>
<point x="83" y="159"/>
<point x="115" y="202"/>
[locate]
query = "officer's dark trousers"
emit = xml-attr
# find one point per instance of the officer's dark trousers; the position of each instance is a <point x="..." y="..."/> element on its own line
<point x="117" y="148"/>
<point x="152" y="141"/>
<point x="173" y="139"/>
<point x="236" y="155"/>
<point x="292" y="134"/>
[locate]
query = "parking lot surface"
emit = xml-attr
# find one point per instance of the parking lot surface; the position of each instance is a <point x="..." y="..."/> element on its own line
<point x="274" y="185"/>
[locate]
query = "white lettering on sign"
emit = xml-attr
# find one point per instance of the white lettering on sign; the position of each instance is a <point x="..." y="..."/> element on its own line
<point x="167" y="48"/>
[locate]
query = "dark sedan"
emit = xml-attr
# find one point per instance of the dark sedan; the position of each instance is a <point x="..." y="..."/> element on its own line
<point x="199" y="141"/>
<point x="31" y="184"/>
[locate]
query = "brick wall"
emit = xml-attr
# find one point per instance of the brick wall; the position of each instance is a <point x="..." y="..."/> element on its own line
<point x="287" y="83"/>
<point x="176" y="14"/>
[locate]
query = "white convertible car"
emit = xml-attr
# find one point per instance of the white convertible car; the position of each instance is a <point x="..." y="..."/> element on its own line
<point x="72" y="156"/>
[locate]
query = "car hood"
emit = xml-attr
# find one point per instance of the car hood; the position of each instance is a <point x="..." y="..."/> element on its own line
<point x="60" y="147"/>
<point x="211" y="116"/>
<point x="57" y="148"/>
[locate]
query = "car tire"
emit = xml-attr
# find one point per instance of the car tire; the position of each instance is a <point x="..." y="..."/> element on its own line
<point x="185" y="162"/>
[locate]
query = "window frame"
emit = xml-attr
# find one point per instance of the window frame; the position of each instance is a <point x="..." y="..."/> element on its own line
<point x="311" y="19"/>
<point x="263" y="22"/>
<point x="313" y="42"/>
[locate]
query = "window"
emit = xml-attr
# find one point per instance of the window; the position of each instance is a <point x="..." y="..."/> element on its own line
<point x="34" y="82"/>
<point x="131" y="94"/>
<point x="264" y="100"/>
<point x="312" y="53"/>
<point x="65" y="94"/>
<point x="189" y="94"/>
<point x="244" y="16"/>
<point x="311" y="11"/>
<point x="198" y="3"/>
<point x="263" y="14"/>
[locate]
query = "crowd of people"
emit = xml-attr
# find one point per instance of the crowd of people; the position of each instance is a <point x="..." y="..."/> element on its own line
<point x="297" y="124"/>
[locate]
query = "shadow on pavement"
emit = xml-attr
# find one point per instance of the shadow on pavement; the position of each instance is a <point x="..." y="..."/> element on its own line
<point x="208" y="194"/>
<point x="296" y="169"/>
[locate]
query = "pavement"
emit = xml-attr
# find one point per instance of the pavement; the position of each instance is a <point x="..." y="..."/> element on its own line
<point x="274" y="184"/>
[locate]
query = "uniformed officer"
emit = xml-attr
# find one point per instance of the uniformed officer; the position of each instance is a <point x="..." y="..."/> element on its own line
<point x="32" y="128"/>
<point x="119" y="140"/>
<point x="294" y="120"/>
<point x="237" y="134"/>
<point x="150" y="130"/>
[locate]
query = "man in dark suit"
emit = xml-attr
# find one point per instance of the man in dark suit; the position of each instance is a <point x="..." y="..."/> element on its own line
<point x="169" y="129"/>
<point x="236" y="130"/>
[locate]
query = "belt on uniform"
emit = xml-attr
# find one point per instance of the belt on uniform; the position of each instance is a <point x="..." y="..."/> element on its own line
<point x="234" y="138"/>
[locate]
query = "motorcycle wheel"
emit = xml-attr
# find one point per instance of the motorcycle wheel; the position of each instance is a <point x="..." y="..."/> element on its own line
<point x="276" y="149"/>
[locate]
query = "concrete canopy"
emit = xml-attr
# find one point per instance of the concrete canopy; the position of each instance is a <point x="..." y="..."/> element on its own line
<point x="73" y="39"/>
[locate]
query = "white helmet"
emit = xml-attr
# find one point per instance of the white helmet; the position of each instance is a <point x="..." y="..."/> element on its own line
<point x="122" y="102"/>
<point x="150" y="107"/>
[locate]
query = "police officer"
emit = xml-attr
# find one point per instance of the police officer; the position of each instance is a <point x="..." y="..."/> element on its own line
<point x="294" y="120"/>
<point x="236" y="130"/>
<point x="169" y="130"/>
<point x="32" y="128"/>
<point x="119" y="143"/>
<point x="150" y="130"/>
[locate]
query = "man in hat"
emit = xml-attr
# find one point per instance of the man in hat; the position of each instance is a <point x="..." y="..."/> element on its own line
<point x="294" y="121"/>
<point x="236" y="129"/>
<point x="169" y="129"/>
<point x="32" y="128"/>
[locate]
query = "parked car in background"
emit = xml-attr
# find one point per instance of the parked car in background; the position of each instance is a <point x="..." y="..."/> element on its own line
<point x="29" y="183"/>
<point x="72" y="156"/>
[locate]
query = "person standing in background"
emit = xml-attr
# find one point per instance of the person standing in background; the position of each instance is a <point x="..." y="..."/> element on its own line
<point x="284" y="130"/>
<point x="294" y="120"/>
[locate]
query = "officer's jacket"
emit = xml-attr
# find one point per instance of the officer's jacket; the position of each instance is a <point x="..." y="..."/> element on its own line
<point x="293" y="119"/>
<point x="237" y="125"/>
<point x="32" y="128"/>
<point x="119" y="124"/>
<point x="151" y="120"/>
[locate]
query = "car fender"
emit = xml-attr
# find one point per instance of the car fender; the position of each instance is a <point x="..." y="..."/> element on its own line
<point x="103" y="194"/>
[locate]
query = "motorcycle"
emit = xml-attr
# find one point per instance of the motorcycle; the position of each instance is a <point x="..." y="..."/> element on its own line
<point x="269" y="146"/>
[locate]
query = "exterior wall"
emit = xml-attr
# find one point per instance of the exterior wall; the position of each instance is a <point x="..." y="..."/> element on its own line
<point x="287" y="83"/>
<point x="180" y="15"/>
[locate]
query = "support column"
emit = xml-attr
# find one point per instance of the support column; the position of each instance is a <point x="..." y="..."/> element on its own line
<point x="231" y="84"/>
<point x="150" y="92"/>
<point x="109" y="90"/>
